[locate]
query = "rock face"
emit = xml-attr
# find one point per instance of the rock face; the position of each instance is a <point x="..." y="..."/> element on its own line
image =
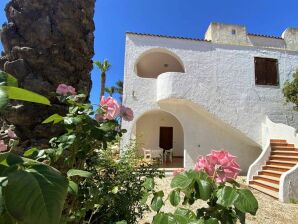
<point x="46" y="42"/>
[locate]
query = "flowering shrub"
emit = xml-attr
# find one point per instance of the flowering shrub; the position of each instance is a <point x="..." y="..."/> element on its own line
<point x="213" y="181"/>
<point x="79" y="179"/>
<point x="219" y="165"/>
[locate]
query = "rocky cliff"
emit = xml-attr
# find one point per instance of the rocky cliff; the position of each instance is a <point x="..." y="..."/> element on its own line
<point x="46" y="42"/>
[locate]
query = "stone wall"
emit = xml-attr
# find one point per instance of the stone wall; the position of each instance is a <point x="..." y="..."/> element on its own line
<point x="46" y="42"/>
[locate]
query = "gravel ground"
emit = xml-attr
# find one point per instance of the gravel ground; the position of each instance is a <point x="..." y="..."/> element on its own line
<point x="271" y="211"/>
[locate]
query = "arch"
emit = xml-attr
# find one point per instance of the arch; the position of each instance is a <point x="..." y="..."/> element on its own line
<point x="147" y="132"/>
<point x="156" y="61"/>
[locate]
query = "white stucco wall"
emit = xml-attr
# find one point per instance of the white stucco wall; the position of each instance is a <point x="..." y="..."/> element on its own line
<point x="219" y="80"/>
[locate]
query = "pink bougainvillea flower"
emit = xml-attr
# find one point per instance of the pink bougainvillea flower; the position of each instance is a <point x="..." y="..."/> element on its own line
<point x="126" y="113"/>
<point x="177" y="171"/>
<point x="110" y="107"/>
<point x="71" y="90"/>
<point x="220" y="165"/>
<point x="64" y="90"/>
<point x="3" y="146"/>
<point x="11" y="133"/>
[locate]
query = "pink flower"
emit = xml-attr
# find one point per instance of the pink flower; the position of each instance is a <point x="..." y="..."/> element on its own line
<point x="126" y="113"/>
<point x="220" y="165"/>
<point x="64" y="90"/>
<point x="177" y="171"/>
<point x="110" y="107"/>
<point x="71" y="90"/>
<point x="3" y="146"/>
<point x="11" y="133"/>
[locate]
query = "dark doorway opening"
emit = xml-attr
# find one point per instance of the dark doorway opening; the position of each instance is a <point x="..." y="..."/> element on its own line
<point x="166" y="138"/>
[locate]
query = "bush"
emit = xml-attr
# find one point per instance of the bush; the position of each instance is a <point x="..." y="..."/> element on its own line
<point x="290" y="90"/>
<point x="120" y="187"/>
<point x="227" y="202"/>
<point x="79" y="179"/>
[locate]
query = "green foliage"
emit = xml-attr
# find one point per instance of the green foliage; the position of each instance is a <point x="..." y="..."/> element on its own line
<point x="290" y="90"/>
<point x="122" y="185"/>
<point x="227" y="202"/>
<point x="30" y="191"/>
<point x="9" y="90"/>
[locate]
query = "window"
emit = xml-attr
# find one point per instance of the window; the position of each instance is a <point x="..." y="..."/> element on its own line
<point x="266" y="71"/>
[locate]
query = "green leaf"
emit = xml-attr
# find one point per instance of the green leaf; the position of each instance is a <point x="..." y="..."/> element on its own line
<point x="9" y="159"/>
<point x="144" y="198"/>
<point x="149" y="184"/>
<point x="55" y="118"/>
<point x="35" y="194"/>
<point x="226" y="196"/>
<point x="31" y="152"/>
<point x="205" y="189"/>
<point x="73" y="187"/>
<point x="246" y="202"/>
<point x="11" y="81"/>
<point x="184" y="216"/>
<point x="121" y="222"/>
<point x="81" y="173"/>
<point x="157" y="201"/>
<point x="164" y="218"/>
<point x="175" y="197"/>
<point x="3" y="99"/>
<point x="15" y="93"/>
<point x="8" y="79"/>
<point x="181" y="180"/>
<point x="212" y="221"/>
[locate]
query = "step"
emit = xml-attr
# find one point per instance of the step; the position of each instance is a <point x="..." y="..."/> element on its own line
<point x="264" y="190"/>
<point x="278" y="141"/>
<point x="276" y="168"/>
<point x="284" y="158"/>
<point x="270" y="173"/>
<point x="283" y="148"/>
<point x="282" y="144"/>
<point x="281" y="163"/>
<point x="274" y="180"/>
<point x="265" y="184"/>
<point x="284" y="153"/>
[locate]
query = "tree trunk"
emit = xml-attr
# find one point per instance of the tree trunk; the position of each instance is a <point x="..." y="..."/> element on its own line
<point x="46" y="42"/>
<point x="102" y="85"/>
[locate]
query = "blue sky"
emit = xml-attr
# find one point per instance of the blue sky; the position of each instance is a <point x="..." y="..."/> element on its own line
<point x="187" y="18"/>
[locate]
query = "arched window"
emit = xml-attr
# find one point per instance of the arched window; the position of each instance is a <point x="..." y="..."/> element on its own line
<point x="157" y="61"/>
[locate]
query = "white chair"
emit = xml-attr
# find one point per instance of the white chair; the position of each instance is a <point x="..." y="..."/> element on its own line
<point x="168" y="154"/>
<point x="152" y="154"/>
<point x="147" y="154"/>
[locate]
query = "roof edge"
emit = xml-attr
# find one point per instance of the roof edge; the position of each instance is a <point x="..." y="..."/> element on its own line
<point x="166" y="36"/>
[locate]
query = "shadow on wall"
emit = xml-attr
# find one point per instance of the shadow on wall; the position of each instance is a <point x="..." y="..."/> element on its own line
<point x="147" y="131"/>
<point x="204" y="133"/>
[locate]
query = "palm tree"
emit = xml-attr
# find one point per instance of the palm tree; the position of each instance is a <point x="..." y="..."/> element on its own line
<point x="104" y="67"/>
<point x="110" y="90"/>
<point x="119" y="88"/>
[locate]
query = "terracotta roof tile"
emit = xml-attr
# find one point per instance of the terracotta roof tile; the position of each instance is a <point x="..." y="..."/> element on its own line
<point x="262" y="35"/>
<point x="166" y="36"/>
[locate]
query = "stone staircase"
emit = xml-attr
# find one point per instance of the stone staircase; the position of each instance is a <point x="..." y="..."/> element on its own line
<point x="283" y="157"/>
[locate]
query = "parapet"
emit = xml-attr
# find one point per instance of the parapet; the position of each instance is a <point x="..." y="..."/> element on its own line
<point x="237" y="35"/>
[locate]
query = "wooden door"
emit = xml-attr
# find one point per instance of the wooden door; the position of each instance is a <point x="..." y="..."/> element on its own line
<point x="166" y="138"/>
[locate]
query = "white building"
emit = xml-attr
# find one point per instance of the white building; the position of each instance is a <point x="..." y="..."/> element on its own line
<point x="222" y="92"/>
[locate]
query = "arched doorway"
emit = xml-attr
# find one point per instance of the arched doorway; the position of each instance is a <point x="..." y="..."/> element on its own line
<point x="154" y="62"/>
<point x="161" y="130"/>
